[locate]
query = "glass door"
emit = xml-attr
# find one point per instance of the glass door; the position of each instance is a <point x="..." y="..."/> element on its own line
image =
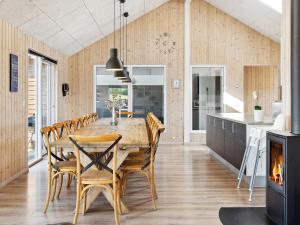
<point x="41" y="103"/>
<point x="207" y="94"/>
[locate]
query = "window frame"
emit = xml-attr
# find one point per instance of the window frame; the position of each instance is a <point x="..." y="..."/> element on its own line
<point x="130" y="86"/>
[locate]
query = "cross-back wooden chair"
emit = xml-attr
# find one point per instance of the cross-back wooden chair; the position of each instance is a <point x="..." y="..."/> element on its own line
<point x="94" y="116"/>
<point x="143" y="161"/>
<point x="56" y="165"/>
<point x="83" y="121"/>
<point x="98" y="172"/>
<point x="123" y="113"/>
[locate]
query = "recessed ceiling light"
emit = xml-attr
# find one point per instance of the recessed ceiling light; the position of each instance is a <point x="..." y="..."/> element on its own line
<point x="274" y="4"/>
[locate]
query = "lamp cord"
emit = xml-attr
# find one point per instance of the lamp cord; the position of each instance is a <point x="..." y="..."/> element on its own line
<point x="114" y="23"/>
<point x="120" y="30"/>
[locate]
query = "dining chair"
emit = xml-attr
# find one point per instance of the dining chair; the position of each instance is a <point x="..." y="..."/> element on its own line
<point x="76" y="124"/>
<point x="143" y="161"/>
<point x="123" y="113"/>
<point x="97" y="173"/>
<point x="56" y="165"/>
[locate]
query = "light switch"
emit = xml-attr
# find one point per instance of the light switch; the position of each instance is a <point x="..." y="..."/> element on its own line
<point x="176" y="84"/>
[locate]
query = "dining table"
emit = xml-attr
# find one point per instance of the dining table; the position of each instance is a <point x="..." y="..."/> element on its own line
<point x="134" y="136"/>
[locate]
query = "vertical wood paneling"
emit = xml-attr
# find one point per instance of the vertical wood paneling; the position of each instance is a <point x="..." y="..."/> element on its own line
<point x="13" y="139"/>
<point x="143" y="33"/>
<point x="265" y="81"/>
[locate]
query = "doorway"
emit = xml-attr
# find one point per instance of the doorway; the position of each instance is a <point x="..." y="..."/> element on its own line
<point x="41" y="100"/>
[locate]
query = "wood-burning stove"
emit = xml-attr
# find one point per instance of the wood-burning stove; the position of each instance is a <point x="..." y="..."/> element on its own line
<point x="283" y="178"/>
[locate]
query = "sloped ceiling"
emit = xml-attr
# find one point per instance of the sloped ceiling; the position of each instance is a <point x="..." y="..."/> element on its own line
<point x="254" y="13"/>
<point x="69" y="25"/>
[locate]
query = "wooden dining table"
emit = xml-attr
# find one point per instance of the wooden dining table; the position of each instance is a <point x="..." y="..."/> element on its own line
<point x="134" y="136"/>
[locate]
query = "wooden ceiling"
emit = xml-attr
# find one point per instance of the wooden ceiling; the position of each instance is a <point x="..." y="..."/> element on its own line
<point x="71" y="25"/>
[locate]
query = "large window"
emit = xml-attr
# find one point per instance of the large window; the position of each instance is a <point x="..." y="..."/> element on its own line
<point x="145" y="94"/>
<point x="207" y="94"/>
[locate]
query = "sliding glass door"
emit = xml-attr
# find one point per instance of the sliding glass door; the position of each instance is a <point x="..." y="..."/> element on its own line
<point x="41" y="102"/>
<point x="145" y="93"/>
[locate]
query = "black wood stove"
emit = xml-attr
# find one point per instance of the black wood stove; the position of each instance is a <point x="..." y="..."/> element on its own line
<point x="283" y="148"/>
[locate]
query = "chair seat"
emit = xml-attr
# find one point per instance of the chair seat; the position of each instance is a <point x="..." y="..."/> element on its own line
<point x="67" y="165"/>
<point x="93" y="176"/>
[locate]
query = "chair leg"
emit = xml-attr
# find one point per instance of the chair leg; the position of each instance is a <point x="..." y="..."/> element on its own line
<point x="61" y="176"/>
<point x="124" y="183"/>
<point x="70" y="178"/>
<point x="48" y="192"/>
<point x="78" y="194"/>
<point x="54" y="183"/>
<point x="84" y="203"/>
<point x="154" y="185"/>
<point x="149" y="178"/>
<point x="117" y="214"/>
<point x="118" y="197"/>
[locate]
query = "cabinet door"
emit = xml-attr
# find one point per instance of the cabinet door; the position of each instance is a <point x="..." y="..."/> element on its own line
<point x="208" y="130"/>
<point x="240" y="143"/>
<point x="229" y="141"/>
<point x="219" y="137"/>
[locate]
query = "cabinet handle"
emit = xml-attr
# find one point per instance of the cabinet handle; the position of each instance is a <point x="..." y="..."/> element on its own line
<point x="232" y="128"/>
<point x="214" y="122"/>
<point x="223" y="127"/>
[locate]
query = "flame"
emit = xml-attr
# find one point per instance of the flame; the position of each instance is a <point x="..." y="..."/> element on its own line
<point x="276" y="171"/>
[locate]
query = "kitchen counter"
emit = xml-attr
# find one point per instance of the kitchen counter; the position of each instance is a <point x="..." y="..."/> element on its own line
<point x="243" y="118"/>
<point x="226" y="137"/>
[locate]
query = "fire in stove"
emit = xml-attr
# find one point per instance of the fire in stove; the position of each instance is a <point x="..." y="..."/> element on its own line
<point x="276" y="164"/>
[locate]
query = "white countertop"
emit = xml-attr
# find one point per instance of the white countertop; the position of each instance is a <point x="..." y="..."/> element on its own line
<point x="244" y="118"/>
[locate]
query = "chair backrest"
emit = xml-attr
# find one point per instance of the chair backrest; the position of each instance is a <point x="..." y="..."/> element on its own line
<point x="60" y="129"/>
<point x="124" y="113"/>
<point x="76" y="124"/>
<point x="101" y="159"/>
<point x="48" y="135"/>
<point x="279" y="122"/>
<point x="69" y="127"/>
<point x="155" y="129"/>
<point x="255" y="136"/>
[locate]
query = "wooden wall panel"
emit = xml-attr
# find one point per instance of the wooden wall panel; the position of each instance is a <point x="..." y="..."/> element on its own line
<point x="165" y="23"/>
<point x="13" y="132"/>
<point x="219" y="39"/>
<point x="265" y="80"/>
<point x="216" y="38"/>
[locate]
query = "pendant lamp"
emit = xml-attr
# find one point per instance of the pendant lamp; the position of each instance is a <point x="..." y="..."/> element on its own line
<point x="114" y="63"/>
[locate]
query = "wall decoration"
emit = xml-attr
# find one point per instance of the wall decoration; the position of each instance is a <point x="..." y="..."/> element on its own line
<point x="14" y="69"/>
<point x="165" y="44"/>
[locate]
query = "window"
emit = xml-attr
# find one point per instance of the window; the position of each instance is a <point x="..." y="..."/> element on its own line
<point x="207" y="94"/>
<point x="145" y="93"/>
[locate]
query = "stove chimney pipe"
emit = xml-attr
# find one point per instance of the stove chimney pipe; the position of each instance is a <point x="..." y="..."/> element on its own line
<point x="295" y="66"/>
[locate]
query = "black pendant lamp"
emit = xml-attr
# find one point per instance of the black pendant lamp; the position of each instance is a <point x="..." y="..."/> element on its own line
<point x="127" y="77"/>
<point x="114" y="63"/>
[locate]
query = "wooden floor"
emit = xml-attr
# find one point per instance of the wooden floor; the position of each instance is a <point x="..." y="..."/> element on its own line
<point x="191" y="185"/>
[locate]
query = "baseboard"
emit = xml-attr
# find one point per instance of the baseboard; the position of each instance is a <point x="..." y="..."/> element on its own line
<point x="2" y="184"/>
<point x="171" y="143"/>
<point x="260" y="181"/>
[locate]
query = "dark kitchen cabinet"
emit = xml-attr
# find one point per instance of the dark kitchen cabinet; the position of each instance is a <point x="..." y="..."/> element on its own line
<point x="227" y="139"/>
<point x="240" y="143"/>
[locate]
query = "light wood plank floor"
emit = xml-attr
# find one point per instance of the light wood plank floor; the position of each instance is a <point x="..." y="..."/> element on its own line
<point x="192" y="186"/>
